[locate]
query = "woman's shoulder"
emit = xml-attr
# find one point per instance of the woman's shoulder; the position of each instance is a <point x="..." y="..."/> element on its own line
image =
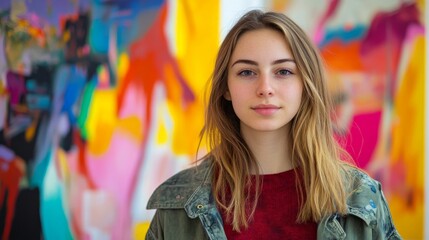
<point x="358" y="179"/>
<point x="361" y="187"/>
<point x="366" y="200"/>
<point x="175" y="191"/>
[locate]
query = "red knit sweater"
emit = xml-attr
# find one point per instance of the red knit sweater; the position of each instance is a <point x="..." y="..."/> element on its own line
<point x="276" y="213"/>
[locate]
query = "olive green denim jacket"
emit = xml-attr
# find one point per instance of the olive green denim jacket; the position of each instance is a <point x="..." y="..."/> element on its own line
<point x="187" y="210"/>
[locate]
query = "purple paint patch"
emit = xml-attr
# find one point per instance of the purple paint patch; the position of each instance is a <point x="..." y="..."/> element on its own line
<point x="15" y="87"/>
<point x="6" y="153"/>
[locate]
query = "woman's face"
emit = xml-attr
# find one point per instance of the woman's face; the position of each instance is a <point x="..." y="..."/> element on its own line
<point x="264" y="85"/>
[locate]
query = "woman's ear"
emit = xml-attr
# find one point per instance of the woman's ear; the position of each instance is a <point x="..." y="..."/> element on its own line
<point x="227" y="95"/>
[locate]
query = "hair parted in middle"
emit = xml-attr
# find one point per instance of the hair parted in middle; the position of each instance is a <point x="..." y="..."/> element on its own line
<point x="314" y="149"/>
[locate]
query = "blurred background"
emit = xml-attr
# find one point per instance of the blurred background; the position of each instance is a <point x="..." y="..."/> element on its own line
<point x="102" y="100"/>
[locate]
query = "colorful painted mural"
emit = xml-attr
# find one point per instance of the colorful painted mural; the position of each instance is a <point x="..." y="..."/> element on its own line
<point x="100" y="101"/>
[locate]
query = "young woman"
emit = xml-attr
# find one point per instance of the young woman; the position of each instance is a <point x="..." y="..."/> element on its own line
<point x="274" y="170"/>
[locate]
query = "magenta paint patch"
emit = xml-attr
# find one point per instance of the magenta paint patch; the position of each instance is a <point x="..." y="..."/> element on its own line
<point x="363" y="137"/>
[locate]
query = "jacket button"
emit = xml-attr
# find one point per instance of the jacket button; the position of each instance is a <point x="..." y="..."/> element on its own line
<point x="199" y="206"/>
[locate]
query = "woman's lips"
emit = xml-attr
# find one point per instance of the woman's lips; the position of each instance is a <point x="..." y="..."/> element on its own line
<point x="266" y="109"/>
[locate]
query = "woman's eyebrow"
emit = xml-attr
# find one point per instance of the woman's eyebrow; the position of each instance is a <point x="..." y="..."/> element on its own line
<point x="245" y="61"/>
<point x="283" y="60"/>
<point x="251" y="62"/>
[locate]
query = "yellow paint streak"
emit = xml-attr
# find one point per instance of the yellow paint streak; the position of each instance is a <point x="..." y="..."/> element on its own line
<point x="408" y="137"/>
<point x="162" y="131"/>
<point x="162" y="136"/>
<point x="123" y="65"/>
<point x="140" y="230"/>
<point x="188" y="123"/>
<point x="408" y="144"/>
<point x="197" y="42"/>
<point x="132" y="126"/>
<point x="408" y="221"/>
<point x="101" y="120"/>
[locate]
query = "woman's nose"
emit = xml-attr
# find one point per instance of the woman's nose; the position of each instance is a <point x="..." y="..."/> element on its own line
<point x="264" y="87"/>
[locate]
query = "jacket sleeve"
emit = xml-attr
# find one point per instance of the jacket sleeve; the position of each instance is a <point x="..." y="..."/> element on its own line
<point x="155" y="229"/>
<point x="386" y="227"/>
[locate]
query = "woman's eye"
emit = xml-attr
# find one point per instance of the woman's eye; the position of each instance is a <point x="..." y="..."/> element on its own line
<point x="246" y="73"/>
<point x="284" y="72"/>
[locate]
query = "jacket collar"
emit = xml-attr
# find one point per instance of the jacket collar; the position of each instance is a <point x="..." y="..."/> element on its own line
<point x="184" y="189"/>
<point x="191" y="190"/>
<point x="202" y="199"/>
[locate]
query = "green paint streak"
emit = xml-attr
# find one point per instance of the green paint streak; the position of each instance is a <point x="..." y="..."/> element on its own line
<point x="85" y="106"/>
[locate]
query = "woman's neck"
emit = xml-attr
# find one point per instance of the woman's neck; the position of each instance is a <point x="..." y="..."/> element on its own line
<point x="272" y="150"/>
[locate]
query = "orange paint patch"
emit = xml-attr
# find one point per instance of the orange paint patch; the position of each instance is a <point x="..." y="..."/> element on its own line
<point x="343" y="57"/>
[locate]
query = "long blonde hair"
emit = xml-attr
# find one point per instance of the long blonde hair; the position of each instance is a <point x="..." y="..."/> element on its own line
<point x="314" y="149"/>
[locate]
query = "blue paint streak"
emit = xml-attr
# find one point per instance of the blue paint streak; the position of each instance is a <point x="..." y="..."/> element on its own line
<point x="73" y="91"/>
<point x="346" y="36"/>
<point x="140" y="4"/>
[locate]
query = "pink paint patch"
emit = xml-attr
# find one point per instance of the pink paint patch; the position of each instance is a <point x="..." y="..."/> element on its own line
<point x="114" y="172"/>
<point x="72" y="160"/>
<point x="414" y="31"/>
<point x="363" y="137"/>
